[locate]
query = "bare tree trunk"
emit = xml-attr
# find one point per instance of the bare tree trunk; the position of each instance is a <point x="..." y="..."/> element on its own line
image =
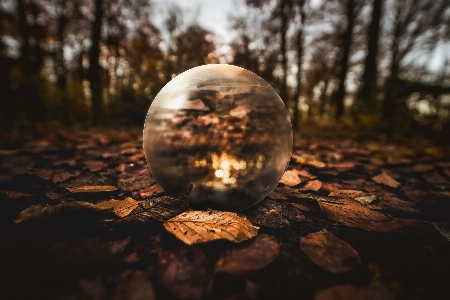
<point x="284" y="19"/>
<point x="348" y="36"/>
<point x="369" y="79"/>
<point x="60" y="68"/>
<point x="98" y="111"/>
<point x="30" y="61"/>
<point x="298" y="92"/>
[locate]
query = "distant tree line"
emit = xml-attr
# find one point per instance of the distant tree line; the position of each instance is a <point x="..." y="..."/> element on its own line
<point x="103" y="61"/>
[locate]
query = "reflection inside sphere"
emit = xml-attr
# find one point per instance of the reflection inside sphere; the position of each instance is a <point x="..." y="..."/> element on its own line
<point x="222" y="129"/>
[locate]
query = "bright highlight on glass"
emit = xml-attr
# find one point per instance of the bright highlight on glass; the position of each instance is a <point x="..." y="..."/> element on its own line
<point x="222" y="129"/>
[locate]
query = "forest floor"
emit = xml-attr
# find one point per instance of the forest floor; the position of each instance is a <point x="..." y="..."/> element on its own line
<point x="82" y="218"/>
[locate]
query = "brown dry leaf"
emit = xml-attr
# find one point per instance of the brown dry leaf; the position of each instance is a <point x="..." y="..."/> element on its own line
<point x="267" y="213"/>
<point x="384" y="178"/>
<point x="422" y="168"/>
<point x="276" y="195"/>
<point x="92" y="189"/>
<point x="354" y="214"/>
<point x="130" y="284"/>
<point x="304" y="173"/>
<point x="196" y="226"/>
<point x="150" y="191"/>
<point x="347" y="291"/>
<point x="184" y="273"/>
<point x="254" y="256"/>
<point x="62" y="175"/>
<point x="359" y="196"/>
<point x="301" y="206"/>
<point x="84" y="252"/>
<point x="307" y="159"/>
<point x="290" y="178"/>
<point x="134" y="179"/>
<point x="313" y="185"/>
<point x="76" y="212"/>
<point x="342" y="166"/>
<point x="330" y="252"/>
<point x="4" y="178"/>
<point x="94" y="165"/>
<point x="14" y="195"/>
<point x="435" y="178"/>
<point x="43" y="173"/>
<point x="121" y="208"/>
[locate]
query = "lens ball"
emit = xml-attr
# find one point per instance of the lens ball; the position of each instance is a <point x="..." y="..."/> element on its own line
<point x="222" y="129"/>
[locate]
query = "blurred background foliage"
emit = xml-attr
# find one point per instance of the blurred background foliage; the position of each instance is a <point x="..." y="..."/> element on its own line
<point x="350" y="67"/>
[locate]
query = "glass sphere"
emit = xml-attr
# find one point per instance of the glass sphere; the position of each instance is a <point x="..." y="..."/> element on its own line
<point x="222" y="129"/>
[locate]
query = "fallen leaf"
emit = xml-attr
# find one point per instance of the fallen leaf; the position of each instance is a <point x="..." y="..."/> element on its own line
<point x="313" y="185"/>
<point x="183" y="273"/>
<point x="354" y="214"/>
<point x="121" y="208"/>
<point x="397" y="206"/>
<point x="384" y="178"/>
<point x="162" y="208"/>
<point x="94" y="165"/>
<point x="435" y="178"/>
<point x="330" y="252"/>
<point x="196" y="226"/>
<point x="342" y="166"/>
<point x="62" y="175"/>
<point x="134" y="178"/>
<point x="69" y="162"/>
<point x="67" y="212"/>
<point x="304" y="173"/>
<point x="151" y="191"/>
<point x="14" y="195"/>
<point x="84" y="252"/>
<point x="130" y="284"/>
<point x="43" y="173"/>
<point x="359" y="196"/>
<point x="422" y="168"/>
<point x="347" y="291"/>
<point x="4" y="178"/>
<point x="92" y="189"/>
<point x="251" y="257"/>
<point x="307" y="159"/>
<point x="290" y="178"/>
<point x="267" y="213"/>
<point x="275" y="195"/>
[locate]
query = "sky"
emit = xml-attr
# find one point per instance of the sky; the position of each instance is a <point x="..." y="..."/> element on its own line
<point x="210" y="14"/>
<point x="214" y="15"/>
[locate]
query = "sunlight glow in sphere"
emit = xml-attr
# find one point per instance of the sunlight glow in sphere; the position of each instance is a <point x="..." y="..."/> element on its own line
<point x="222" y="129"/>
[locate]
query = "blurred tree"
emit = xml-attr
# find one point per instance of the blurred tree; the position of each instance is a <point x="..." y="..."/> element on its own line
<point x="299" y="45"/>
<point x="281" y="16"/>
<point x="417" y="25"/>
<point x="369" y="79"/>
<point x="347" y="38"/>
<point x="193" y="47"/>
<point x="98" y="110"/>
<point x="173" y="24"/>
<point x="31" y="30"/>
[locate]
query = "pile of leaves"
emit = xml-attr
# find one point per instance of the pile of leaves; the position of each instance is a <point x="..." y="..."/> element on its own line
<point x="82" y="218"/>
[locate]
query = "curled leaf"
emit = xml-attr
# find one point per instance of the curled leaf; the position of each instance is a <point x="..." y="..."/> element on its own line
<point x="195" y="226"/>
